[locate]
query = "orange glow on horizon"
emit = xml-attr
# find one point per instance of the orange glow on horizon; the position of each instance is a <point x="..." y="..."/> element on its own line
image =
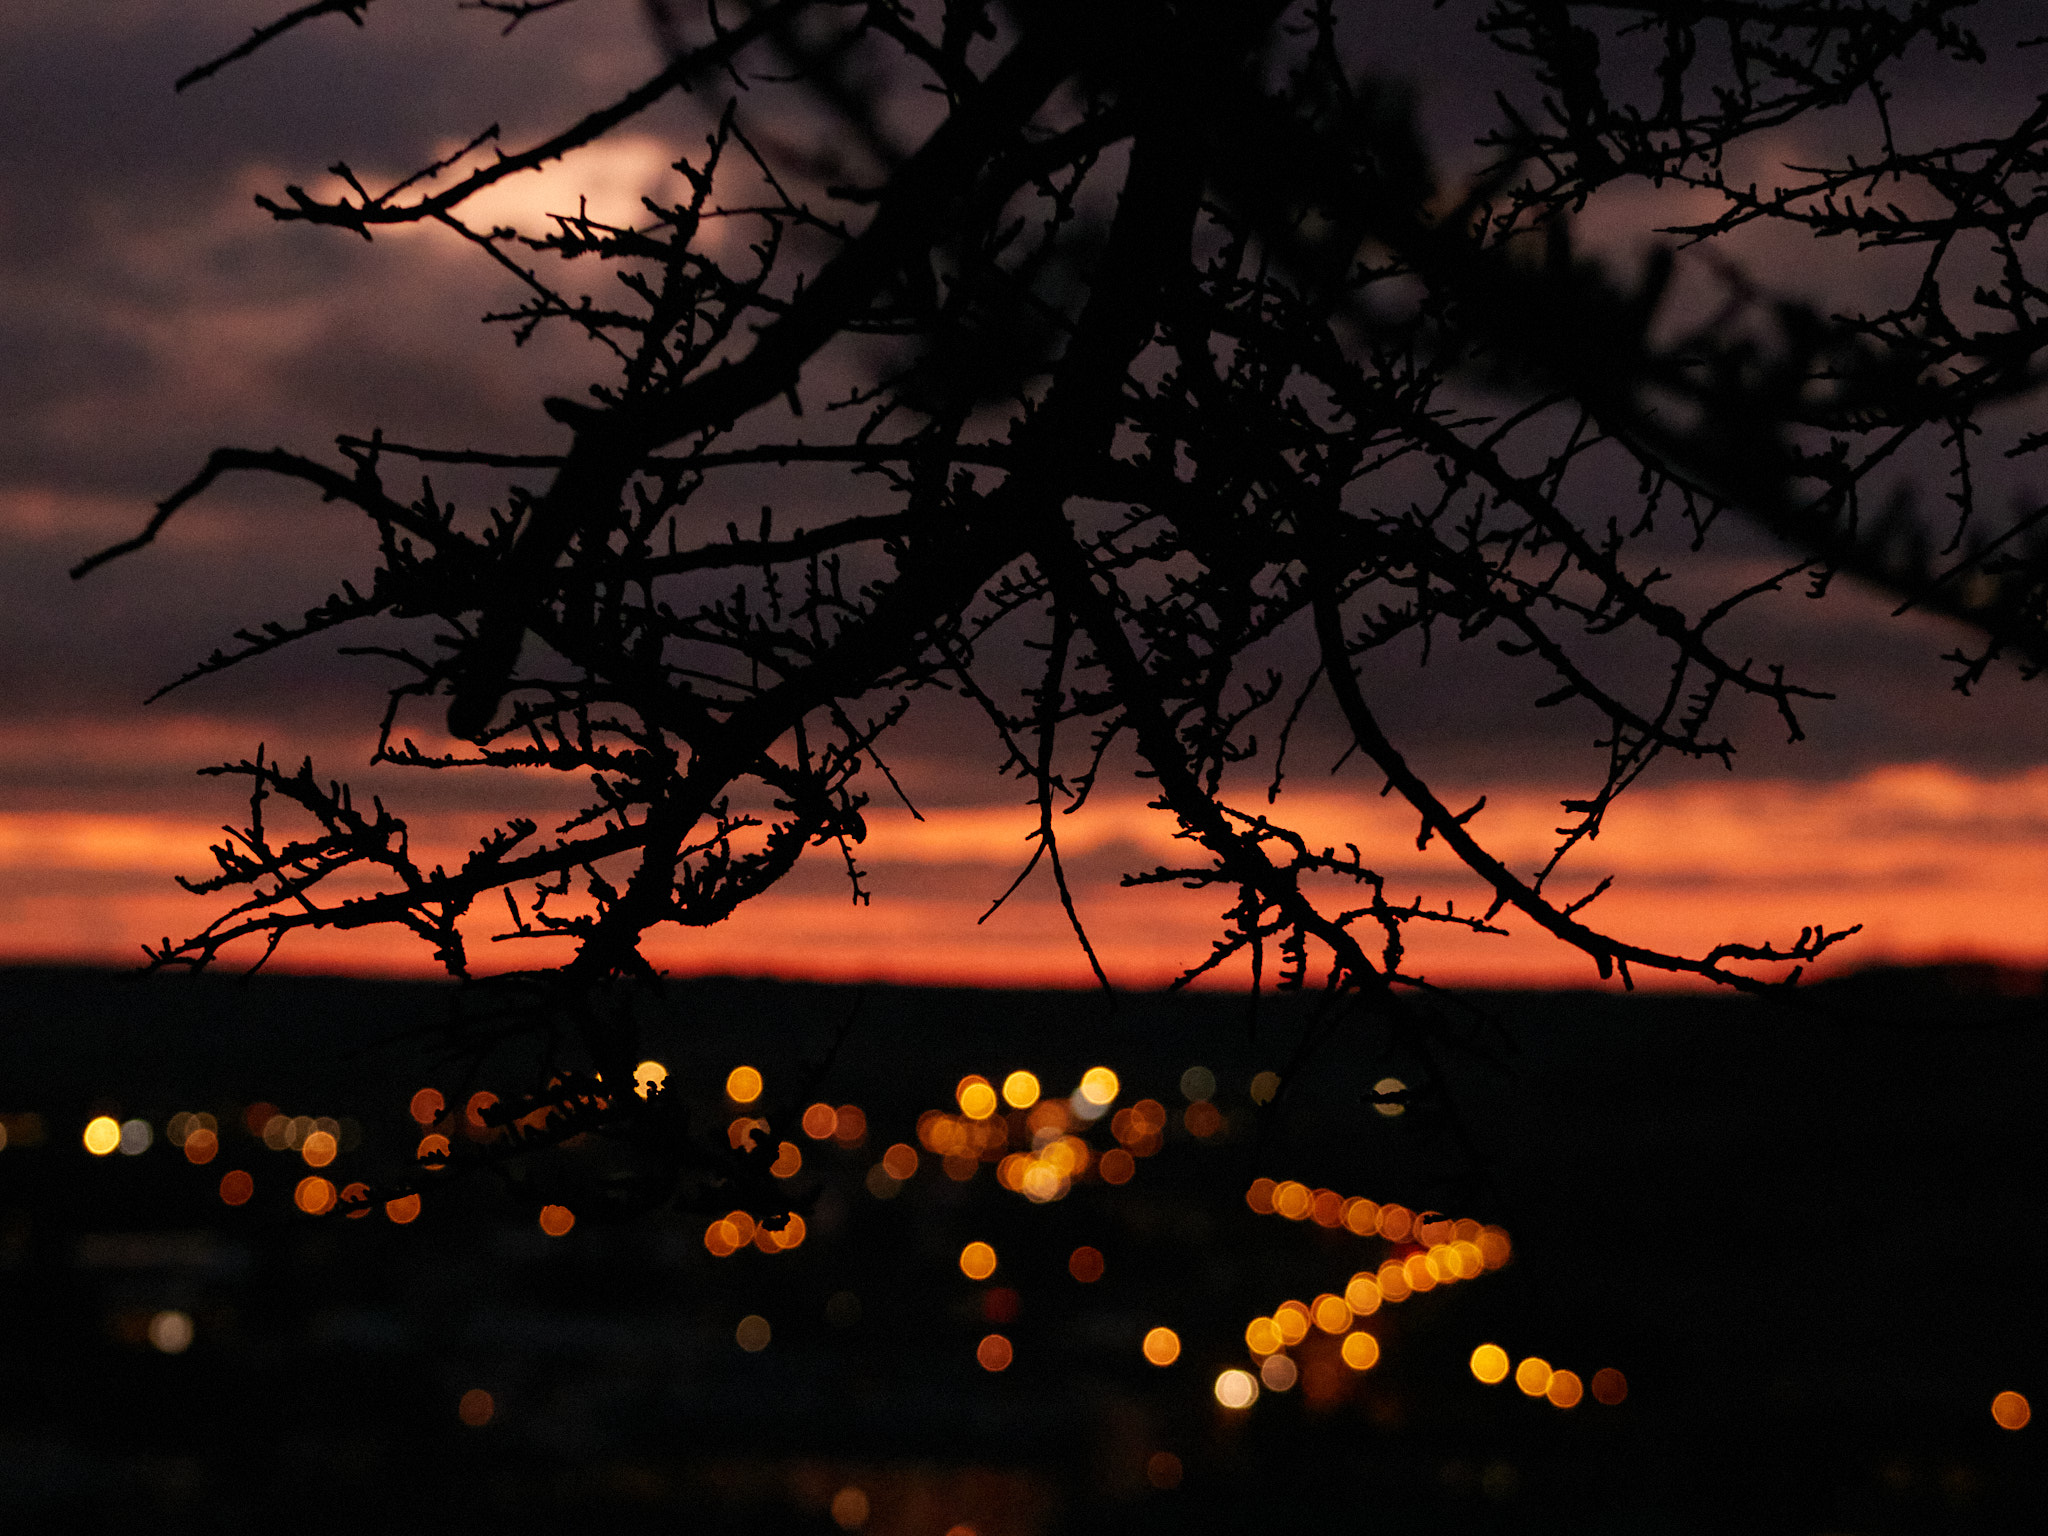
<point x="1917" y="853"/>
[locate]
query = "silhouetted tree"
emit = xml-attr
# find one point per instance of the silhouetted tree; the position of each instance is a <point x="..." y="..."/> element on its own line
<point x="1156" y="357"/>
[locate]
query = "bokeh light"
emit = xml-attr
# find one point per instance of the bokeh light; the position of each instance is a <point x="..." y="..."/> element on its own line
<point x="753" y="1333"/>
<point x="102" y="1135"/>
<point x="1085" y="1264"/>
<point x="1198" y="1084"/>
<point x="236" y="1187"/>
<point x="789" y="1159"/>
<point x="1236" y="1389"/>
<point x="2011" y="1410"/>
<point x="849" y="1509"/>
<point x="404" y="1209"/>
<point x="1362" y="1294"/>
<point x="425" y="1108"/>
<point x="1278" y="1373"/>
<point x="1261" y="1337"/>
<point x="1291" y="1318"/>
<point x="994" y="1352"/>
<point x="1360" y="1350"/>
<point x="315" y="1195"/>
<point x="1202" y="1119"/>
<point x="648" y="1077"/>
<point x="201" y="1145"/>
<point x="743" y="1085"/>
<point x="320" y="1149"/>
<point x="1020" y="1090"/>
<point x="1162" y="1346"/>
<point x="477" y="1408"/>
<point x="1163" y="1470"/>
<point x="977" y="1261"/>
<point x="1099" y="1086"/>
<point x="171" y="1332"/>
<point x="556" y="1220"/>
<point x="1265" y="1087"/>
<point x="976" y="1098"/>
<point x="1609" y="1386"/>
<point x="1260" y="1196"/>
<point x="900" y="1160"/>
<point x="820" y="1121"/>
<point x="1330" y="1314"/>
<point x="135" y="1137"/>
<point x="1390" y="1085"/>
<point x="1565" y="1389"/>
<point x="1117" y="1166"/>
<point x="1490" y="1364"/>
<point x="1532" y="1376"/>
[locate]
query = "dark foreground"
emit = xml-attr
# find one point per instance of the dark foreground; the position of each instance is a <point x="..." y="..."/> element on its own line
<point x="1814" y="1245"/>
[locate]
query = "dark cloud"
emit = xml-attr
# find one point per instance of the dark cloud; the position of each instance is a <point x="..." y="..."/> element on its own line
<point x="153" y="312"/>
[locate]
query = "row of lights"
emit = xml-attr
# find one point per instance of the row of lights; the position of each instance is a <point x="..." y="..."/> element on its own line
<point x="1537" y="1377"/>
<point x="1451" y="1250"/>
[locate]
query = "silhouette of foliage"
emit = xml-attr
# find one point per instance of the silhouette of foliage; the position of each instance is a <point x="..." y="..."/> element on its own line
<point x="1155" y="352"/>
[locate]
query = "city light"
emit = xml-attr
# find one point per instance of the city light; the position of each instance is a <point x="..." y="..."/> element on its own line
<point x="849" y="1509"/>
<point x="976" y="1098"/>
<point x="1099" y="1086"/>
<point x="1490" y="1364"/>
<point x="1236" y="1389"/>
<point x="171" y="1332"/>
<point x="977" y="1261"/>
<point x="820" y="1121"/>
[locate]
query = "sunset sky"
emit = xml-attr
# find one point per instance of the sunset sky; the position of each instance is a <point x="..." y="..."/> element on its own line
<point x="154" y="312"/>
